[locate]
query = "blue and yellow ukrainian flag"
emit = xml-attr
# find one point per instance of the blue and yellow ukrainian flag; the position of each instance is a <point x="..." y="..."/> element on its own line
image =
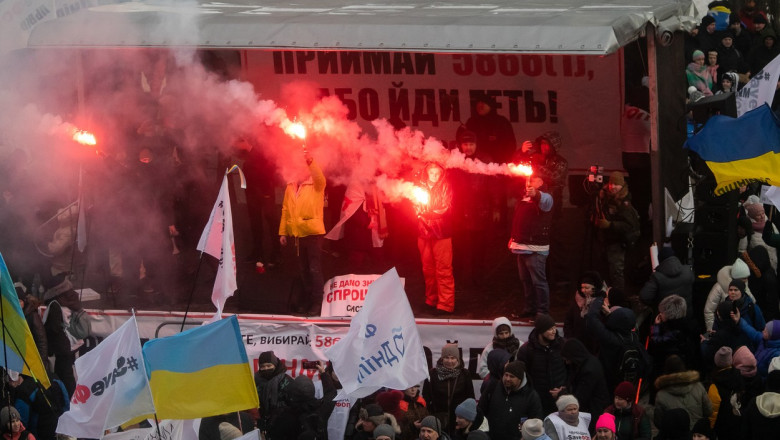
<point x="740" y="150"/>
<point x="200" y="372"/>
<point x="18" y="351"/>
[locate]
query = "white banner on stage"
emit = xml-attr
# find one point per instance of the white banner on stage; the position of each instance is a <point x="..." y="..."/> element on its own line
<point x="344" y="295"/>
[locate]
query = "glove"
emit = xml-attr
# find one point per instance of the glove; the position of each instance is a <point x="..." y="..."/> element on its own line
<point x="603" y="223"/>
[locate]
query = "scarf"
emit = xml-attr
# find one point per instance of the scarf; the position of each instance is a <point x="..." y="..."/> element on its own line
<point x="510" y="344"/>
<point x="445" y="373"/>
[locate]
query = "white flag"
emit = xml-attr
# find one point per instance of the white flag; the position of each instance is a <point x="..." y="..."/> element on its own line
<point x="760" y="89"/>
<point x="112" y="386"/>
<point x="382" y="347"/>
<point x="217" y="240"/>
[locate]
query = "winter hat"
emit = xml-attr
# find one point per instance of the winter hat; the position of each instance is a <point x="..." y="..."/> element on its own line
<point x="268" y="357"/>
<point x="664" y="253"/>
<point x="228" y="431"/>
<point x="707" y="20"/>
<point x="566" y="400"/>
<point x="739" y="284"/>
<point x="734" y="18"/>
<point x="301" y="390"/>
<point x="543" y="322"/>
<point x="384" y="429"/>
<point x="773" y="329"/>
<point x="723" y="357"/>
<point x="697" y="54"/>
<point x="6" y="418"/>
<point x="373" y="413"/>
<point x="532" y="429"/>
<point x="724" y="310"/>
<point x="390" y="401"/>
<point x="606" y="420"/>
<point x="758" y="18"/>
<point x="674" y="364"/>
<point x="625" y="390"/>
<point x="432" y="423"/>
<point x="617" y="177"/>
<point x="450" y="350"/>
<point x="516" y="368"/>
<point x="745" y="362"/>
<point x="739" y="270"/>
<point x="702" y="427"/>
<point x="467" y="409"/>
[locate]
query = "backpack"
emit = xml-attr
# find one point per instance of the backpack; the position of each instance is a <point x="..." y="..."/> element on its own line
<point x="632" y="362"/>
<point x="76" y="324"/>
<point x="80" y="327"/>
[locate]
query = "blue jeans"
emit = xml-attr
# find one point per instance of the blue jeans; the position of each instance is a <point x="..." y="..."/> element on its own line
<point x="533" y="276"/>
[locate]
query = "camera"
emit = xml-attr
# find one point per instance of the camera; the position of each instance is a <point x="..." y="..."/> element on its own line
<point x="596" y="174"/>
<point x="311" y="365"/>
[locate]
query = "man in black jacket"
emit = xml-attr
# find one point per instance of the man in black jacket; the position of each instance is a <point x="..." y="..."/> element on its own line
<point x="506" y="406"/>
<point x="543" y="360"/>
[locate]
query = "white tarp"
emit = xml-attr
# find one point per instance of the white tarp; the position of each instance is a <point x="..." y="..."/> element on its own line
<point x="564" y="26"/>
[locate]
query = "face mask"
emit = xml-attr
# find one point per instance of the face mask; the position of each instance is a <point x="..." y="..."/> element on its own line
<point x="267" y="374"/>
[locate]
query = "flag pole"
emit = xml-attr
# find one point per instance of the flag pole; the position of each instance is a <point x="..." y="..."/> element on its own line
<point x="5" y="347"/>
<point x="192" y="292"/>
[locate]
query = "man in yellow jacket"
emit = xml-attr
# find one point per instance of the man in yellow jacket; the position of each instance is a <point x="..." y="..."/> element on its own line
<point x="302" y="220"/>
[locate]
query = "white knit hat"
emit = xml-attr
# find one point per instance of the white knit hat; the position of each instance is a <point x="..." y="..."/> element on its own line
<point x="739" y="270"/>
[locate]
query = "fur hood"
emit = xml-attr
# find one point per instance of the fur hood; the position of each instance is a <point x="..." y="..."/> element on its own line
<point x="680" y="382"/>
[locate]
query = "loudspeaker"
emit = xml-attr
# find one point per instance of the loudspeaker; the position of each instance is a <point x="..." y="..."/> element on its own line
<point x="714" y="238"/>
<point x="715" y="219"/>
<point x="723" y="104"/>
<point x="712" y="251"/>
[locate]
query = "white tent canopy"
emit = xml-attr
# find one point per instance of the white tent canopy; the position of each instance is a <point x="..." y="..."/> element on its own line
<point x="595" y="27"/>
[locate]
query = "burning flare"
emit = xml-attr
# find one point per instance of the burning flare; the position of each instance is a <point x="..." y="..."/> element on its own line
<point x="84" y="137"/>
<point x="420" y="196"/>
<point x="520" y="169"/>
<point x="295" y="129"/>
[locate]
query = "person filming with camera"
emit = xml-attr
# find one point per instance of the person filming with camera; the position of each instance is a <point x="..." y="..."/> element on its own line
<point x="616" y="224"/>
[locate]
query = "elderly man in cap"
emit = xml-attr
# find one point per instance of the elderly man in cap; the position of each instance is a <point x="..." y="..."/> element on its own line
<point x="507" y="405"/>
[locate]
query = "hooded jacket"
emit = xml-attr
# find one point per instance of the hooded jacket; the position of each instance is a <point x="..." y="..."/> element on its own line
<point x="763" y="279"/>
<point x="273" y="393"/>
<point x="482" y="366"/>
<point x="303" y="206"/>
<point x="671" y="277"/>
<point x="718" y="294"/>
<point x="613" y="337"/>
<point x="586" y="380"/>
<point x="681" y="390"/>
<point x="496" y="360"/>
